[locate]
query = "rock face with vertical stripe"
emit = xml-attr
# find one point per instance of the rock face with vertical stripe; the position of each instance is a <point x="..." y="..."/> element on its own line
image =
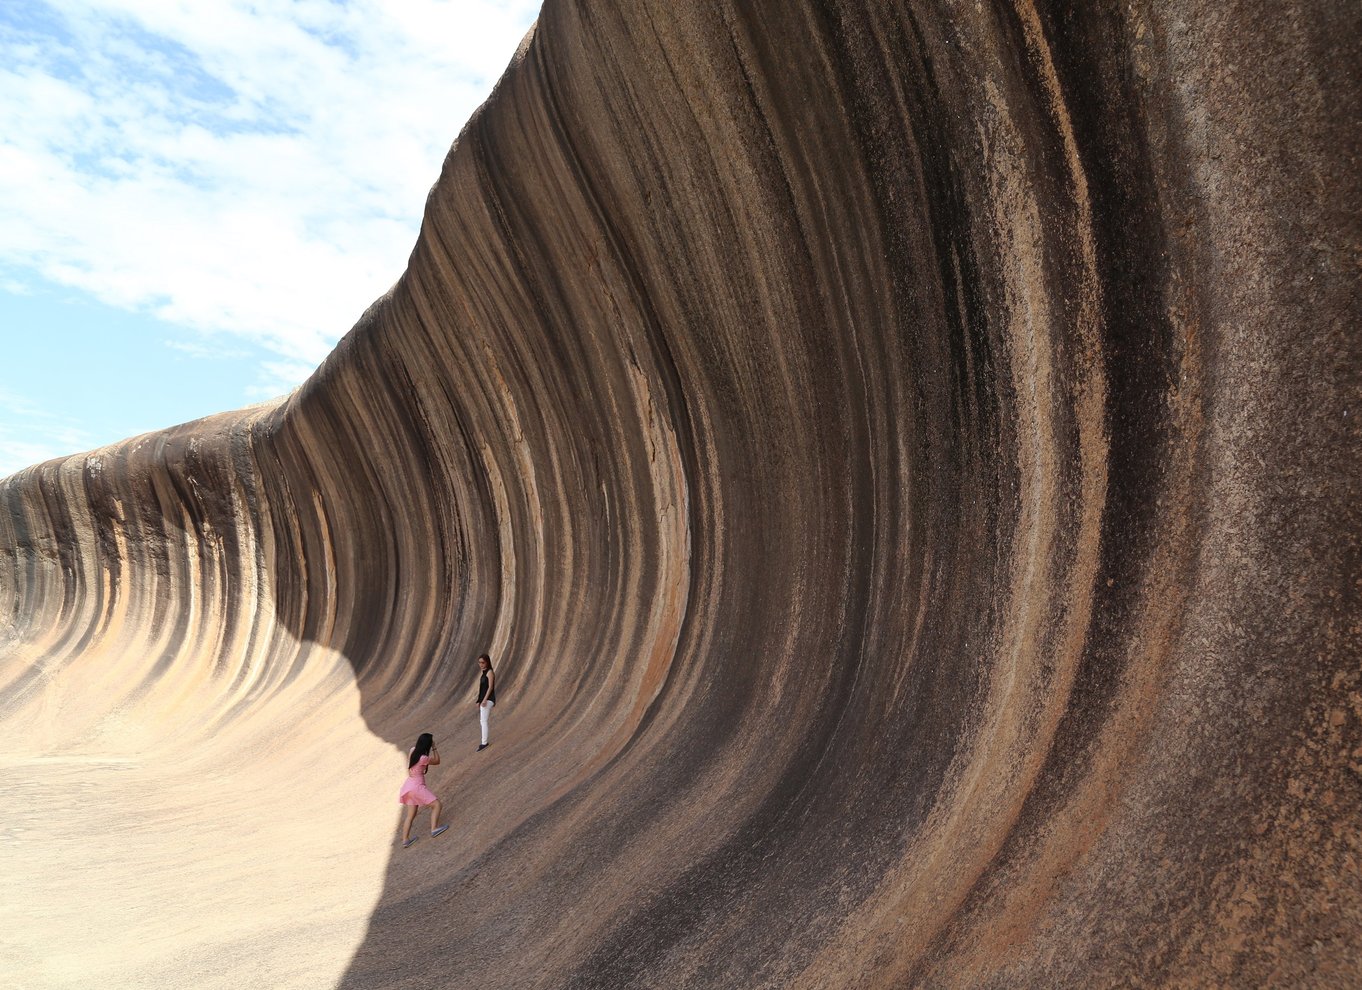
<point x="902" y="459"/>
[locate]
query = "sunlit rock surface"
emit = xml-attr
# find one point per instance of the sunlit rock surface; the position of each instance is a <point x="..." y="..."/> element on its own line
<point x="902" y="458"/>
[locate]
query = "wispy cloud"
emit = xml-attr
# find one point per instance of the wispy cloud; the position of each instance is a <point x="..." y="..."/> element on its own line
<point x="232" y="167"/>
<point x="278" y="378"/>
<point x="30" y="434"/>
<point x="210" y="349"/>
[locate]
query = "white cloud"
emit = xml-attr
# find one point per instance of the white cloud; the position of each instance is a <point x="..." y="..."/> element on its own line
<point x="235" y="167"/>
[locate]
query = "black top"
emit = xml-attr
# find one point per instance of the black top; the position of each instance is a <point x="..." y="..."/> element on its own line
<point x="482" y="690"/>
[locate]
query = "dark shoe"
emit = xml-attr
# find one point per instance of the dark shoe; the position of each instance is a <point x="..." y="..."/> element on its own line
<point x="410" y="841"/>
<point x="483" y="746"/>
<point x="438" y="831"/>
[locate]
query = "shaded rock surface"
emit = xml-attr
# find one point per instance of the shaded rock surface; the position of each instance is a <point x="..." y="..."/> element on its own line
<point x="902" y="458"/>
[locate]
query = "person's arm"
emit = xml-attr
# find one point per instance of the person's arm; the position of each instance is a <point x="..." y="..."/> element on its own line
<point x="491" y="685"/>
<point x="434" y="757"/>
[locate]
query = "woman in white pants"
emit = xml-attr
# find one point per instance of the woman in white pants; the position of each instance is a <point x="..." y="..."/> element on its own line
<point x="487" y="695"/>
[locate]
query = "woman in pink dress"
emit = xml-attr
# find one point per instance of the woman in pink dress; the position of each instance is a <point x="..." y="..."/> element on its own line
<point x="415" y="794"/>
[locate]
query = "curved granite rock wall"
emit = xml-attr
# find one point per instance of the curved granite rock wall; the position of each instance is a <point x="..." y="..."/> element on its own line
<point x="903" y="459"/>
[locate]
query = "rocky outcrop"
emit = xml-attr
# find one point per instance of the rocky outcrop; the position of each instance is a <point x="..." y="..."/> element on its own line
<point x="902" y="457"/>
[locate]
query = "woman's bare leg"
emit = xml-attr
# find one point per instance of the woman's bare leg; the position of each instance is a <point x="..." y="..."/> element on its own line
<point x="406" y="822"/>
<point x="435" y="816"/>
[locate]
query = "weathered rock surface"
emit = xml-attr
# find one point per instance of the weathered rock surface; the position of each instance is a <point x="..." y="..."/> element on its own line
<point x="903" y="459"/>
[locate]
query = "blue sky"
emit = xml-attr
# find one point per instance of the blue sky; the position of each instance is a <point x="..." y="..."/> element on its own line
<point x="199" y="197"/>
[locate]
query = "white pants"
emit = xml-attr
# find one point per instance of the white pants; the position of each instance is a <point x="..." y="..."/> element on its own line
<point x="484" y="710"/>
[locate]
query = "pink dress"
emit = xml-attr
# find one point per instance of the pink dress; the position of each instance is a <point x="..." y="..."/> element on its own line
<point x="414" y="789"/>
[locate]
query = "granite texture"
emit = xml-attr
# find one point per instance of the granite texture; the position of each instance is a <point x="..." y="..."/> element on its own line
<point x="903" y="459"/>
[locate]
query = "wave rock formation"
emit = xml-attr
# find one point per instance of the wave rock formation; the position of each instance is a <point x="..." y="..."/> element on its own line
<point x="902" y="458"/>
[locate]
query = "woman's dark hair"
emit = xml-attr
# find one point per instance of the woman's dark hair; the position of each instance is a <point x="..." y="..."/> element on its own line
<point x="484" y="656"/>
<point x="424" y="742"/>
